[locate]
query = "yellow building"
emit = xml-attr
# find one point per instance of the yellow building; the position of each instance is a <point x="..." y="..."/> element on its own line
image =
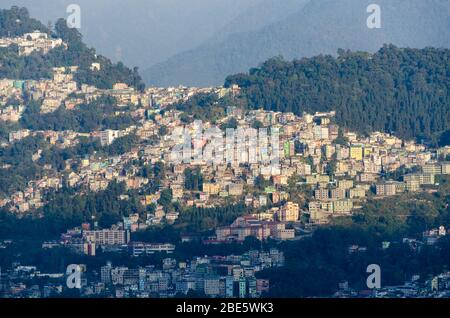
<point x="326" y="206"/>
<point x="445" y="168"/>
<point x="342" y="206"/>
<point x="432" y="169"/>
<point x="412" y="185"/>
<point x="85" y="162"/>
<point x="317" y="178"/>
<point x="289" y="212"/>
<point x="345" y="184"/>
<point x="357" y="193"/>
<point x="386" y="189"/>
<point x="149" y="199"/>
<point x="211" y="188"/>
<point x="329" y="151"/>
<point x="341" y="167"/>
<point x="356" y="152"/>
<point x="324" y="178"/>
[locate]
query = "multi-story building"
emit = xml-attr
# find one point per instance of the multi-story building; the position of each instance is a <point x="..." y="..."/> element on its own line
<point x="357" y="193"/>
<point x="345" y="184"/>
<point x="445" y="168"/>
<point x="107" y="237"/>
<point x="289" y="212"/>
<point x="432" y="168"/>
<point x="235" y="189"/>
<point x="386" y="189"/>
<point x="421" y="178"/>
<point x="321" y="194"/>
<point x="138" y="248"/>
<point x="337" y="194"/>
<point x="211" y="188"/>
<point x="356" y="152"/>
<point x="342" y="206"/>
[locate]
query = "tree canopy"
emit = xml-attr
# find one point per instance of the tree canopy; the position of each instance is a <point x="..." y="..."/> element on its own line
<point x="16" y="22"/>
<point x="404" y="91"/>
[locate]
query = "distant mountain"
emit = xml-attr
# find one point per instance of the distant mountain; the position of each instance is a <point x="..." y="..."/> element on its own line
<point x="142" y="32"/>
<point x="317" y="27"/>
<point x="263" y="13"/>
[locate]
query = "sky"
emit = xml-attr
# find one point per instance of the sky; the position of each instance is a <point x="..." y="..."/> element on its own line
<point x="142" y="32"/>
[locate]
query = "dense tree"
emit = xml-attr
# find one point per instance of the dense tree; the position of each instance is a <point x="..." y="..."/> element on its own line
<point x="17" y="21"/>
<point x="206" y="107"/>
<point x="404" y="91"/>
<point x="166" y="197"/>
<point x="231" y="123"/>
<point x="193" y="179"/>
<point x="261" y="183"/>
<point x="122" y="145"/>
<point x="206" y="219"/>
<point x="66" y="209"/>
<point x="18" y="165"/>
<point x="99" y="114"/>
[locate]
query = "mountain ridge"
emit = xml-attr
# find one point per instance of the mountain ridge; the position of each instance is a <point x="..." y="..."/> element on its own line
<point x="320" y="27"/>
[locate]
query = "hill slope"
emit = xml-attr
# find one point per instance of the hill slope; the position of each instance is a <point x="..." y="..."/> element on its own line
<point x="319" y="27"/>
<point x="405" y="91"/>
<point x="17" y="21"/>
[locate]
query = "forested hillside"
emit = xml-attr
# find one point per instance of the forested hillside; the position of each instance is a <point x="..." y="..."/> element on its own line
<point x="404" y="91"/>
<point x="16" y="22"/>
<point x="313" y="27"/>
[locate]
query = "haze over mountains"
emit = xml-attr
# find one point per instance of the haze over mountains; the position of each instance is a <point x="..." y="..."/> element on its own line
<point x="200" y="42"/>
<point x="318" y="27"/>
<point x="141" y="32"/>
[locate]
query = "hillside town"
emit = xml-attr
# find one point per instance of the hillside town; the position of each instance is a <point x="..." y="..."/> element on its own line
<point x="298" y="173"/>
<point x="337" y="169"/>
<point x="232" y="276"/>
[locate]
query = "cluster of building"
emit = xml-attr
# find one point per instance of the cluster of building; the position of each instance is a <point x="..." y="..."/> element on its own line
<point x="322" y="171"/>
<point x="62" y="91"/>
<point x="213" y="276"/>
<point x="434" y="286"/>
<point x="309" y="145"/>
<point x="11" y="100"/>
<point x="84" y="240"/>
<point x="51" y="92"/>
<point x="161" y="97"/>
<point x="32" y="42"/>
<point x="340" y="168"/>
<point x="261" y="227"/>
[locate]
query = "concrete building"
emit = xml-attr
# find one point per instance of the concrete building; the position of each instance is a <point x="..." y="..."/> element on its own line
<point x="107" y="237"/>
<point x="289" y="212"/>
